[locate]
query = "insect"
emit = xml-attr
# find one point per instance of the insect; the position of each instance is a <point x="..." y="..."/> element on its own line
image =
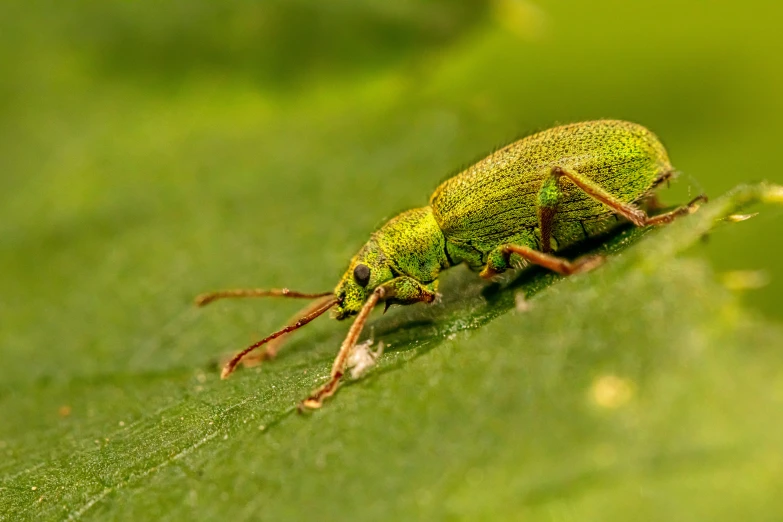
<point x="520" y="205"/>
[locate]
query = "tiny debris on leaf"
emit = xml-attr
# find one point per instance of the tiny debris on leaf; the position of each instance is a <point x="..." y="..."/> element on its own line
<point x="736" y="218"/>
<point x="362" y="358"/>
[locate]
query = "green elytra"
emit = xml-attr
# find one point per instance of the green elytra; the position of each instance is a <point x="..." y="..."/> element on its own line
<point x="521" y="204"/>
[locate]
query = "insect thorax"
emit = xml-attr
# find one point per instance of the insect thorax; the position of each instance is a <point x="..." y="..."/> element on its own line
<point x="414" y="244"/>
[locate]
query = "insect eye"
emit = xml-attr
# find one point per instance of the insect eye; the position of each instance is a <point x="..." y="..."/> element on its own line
<point x="362" y="275"/>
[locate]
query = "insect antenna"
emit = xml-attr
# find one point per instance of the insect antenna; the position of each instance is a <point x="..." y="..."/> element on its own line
<point x="205" y="299"/>
<point x="228" y="369"/>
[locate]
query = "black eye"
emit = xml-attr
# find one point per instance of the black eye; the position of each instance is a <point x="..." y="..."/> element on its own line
<point x="362" y="274"/>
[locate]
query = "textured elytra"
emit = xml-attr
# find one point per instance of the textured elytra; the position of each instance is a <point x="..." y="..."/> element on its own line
<point x="495" y="201"/>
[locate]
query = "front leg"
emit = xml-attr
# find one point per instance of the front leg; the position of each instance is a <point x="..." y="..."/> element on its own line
<point x="402" y="290"/>
<point x="407" y="290"/>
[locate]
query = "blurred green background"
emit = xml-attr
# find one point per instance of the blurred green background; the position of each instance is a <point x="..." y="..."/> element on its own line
<point x="153" y="150"/>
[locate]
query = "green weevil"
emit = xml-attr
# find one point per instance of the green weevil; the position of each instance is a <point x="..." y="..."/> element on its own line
<point x="519" y="205"/>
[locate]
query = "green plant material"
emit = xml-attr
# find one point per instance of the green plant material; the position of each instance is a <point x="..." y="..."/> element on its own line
<point x="640" y="390"/>
<point x="151" y="151"/>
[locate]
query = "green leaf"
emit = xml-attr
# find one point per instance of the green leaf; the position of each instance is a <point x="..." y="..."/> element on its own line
<point x="152" y="152"/>
<point x="642" y="390"/>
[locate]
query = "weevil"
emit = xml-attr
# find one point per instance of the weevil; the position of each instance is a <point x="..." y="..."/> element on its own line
<point x="520" y="205"/>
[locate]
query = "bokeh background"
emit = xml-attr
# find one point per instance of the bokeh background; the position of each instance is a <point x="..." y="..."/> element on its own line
<point x="127" y="126"/>
<point x="153" y="150"/>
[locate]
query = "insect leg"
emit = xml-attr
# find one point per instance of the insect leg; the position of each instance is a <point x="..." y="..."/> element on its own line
<point x="402" y="290"/>
<point x="229" y="367"/>
<point x="668" y="217"/>
<point x="547" y="202"/>
<point x="632" y="213"/>
<point x="499" y="261"/>
<point x="315" y="400"/>
<point x="273" y="346"/>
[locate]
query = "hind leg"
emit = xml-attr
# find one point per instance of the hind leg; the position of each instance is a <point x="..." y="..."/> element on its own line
<point x="549" y="197"/>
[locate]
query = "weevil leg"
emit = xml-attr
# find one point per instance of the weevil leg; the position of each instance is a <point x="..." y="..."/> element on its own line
<point x="548" y="200"/>
<point x="315" y="400"/>
<point x="403" y="290"/>
<point x="632" y="213"/>
<point x="231" y="365"/>
<point x="273" y="343"/>
<point x="499" y="261"/>
<point x="670" y="216"/>
<point x="272" y="348"/>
